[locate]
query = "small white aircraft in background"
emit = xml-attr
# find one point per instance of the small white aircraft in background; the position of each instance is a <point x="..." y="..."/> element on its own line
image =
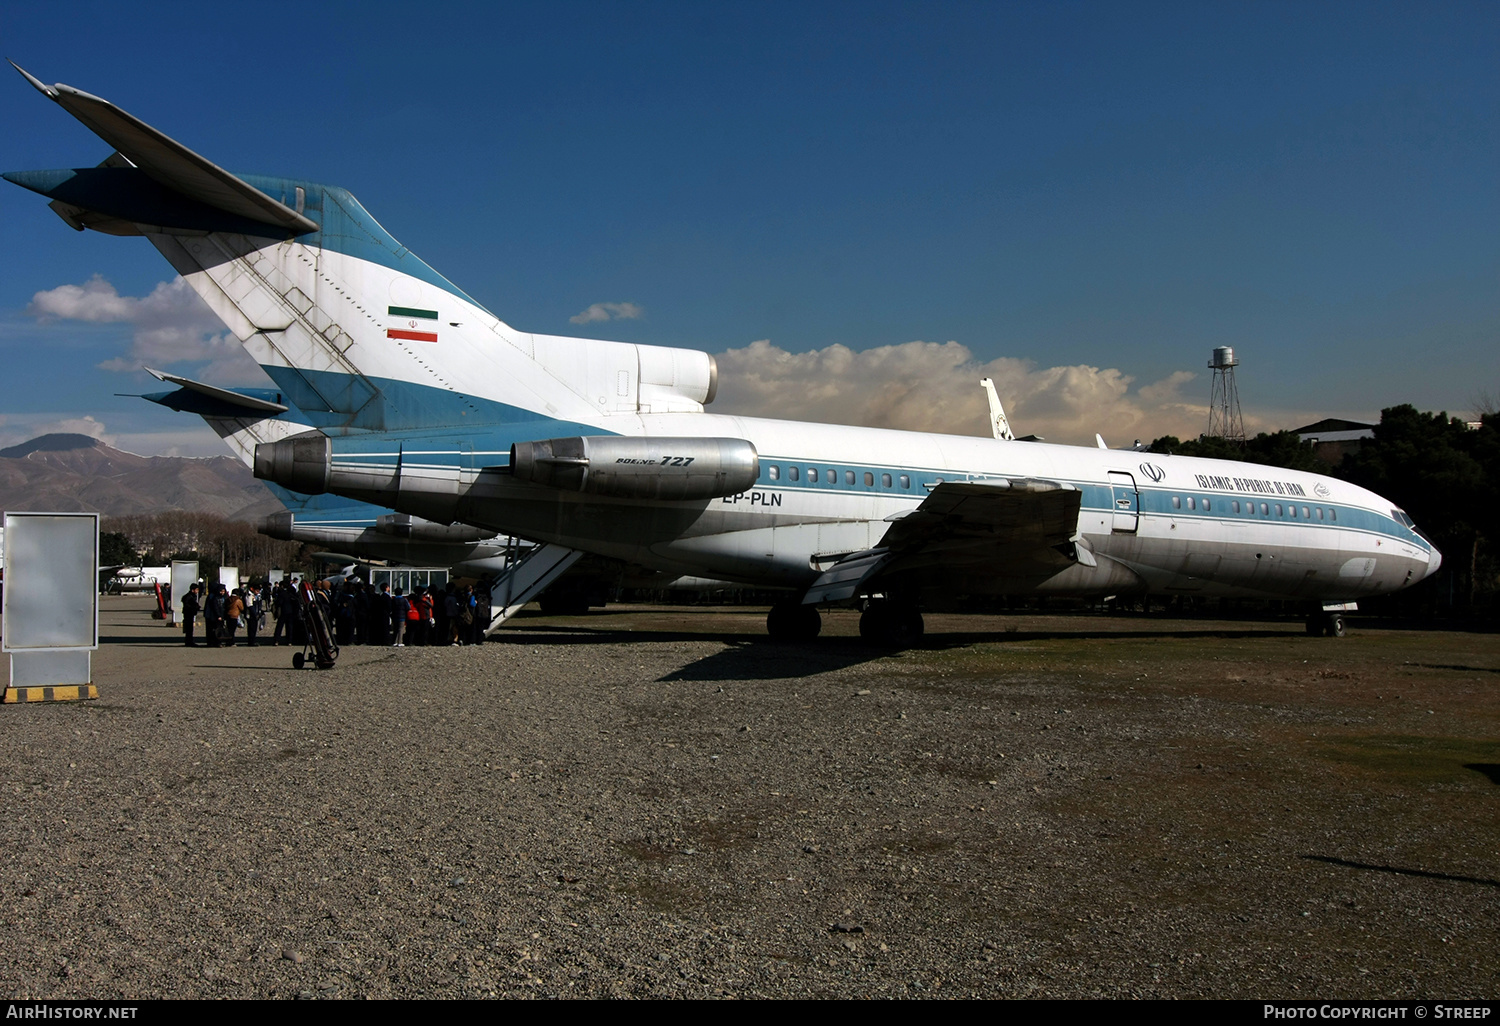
<point x="421" y="400"/>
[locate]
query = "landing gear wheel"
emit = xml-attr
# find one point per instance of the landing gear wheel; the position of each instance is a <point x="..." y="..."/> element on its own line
<point x="1326" y="625"/>
<point x="792" y="621"/>
<point x="298" y="660"/>
<point x="892" y="625"/>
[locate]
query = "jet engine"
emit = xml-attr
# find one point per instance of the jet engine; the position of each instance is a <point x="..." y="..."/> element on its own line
<point x="639" y="467"/>
<point x="404" y="525"/>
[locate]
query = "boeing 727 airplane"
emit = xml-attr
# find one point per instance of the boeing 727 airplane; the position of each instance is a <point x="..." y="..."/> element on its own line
<point x="421" y="400"/>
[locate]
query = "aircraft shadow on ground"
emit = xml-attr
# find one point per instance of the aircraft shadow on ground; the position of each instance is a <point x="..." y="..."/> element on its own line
<point x="1402" y="871"/>
<point x="751" y="655"/>
<point x="1489" y="769"/>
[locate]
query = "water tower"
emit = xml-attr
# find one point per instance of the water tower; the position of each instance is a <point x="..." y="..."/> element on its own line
<point x="1224" y="418"/>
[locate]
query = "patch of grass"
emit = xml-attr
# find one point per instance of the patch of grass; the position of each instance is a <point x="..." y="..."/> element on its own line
<point x="1415" y="760"/>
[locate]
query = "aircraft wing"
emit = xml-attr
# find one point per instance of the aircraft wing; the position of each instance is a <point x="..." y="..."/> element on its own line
<point x="1018" y="527"/>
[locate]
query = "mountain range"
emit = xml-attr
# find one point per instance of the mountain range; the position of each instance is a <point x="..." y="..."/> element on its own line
<point x="67" y="473"/>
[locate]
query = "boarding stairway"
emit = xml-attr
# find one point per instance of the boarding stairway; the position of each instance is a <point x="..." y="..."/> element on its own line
<point x="528" y="572"/>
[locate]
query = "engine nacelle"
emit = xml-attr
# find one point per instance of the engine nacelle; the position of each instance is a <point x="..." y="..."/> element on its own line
<point x="300" y="462"/>
<point x="404" y="525"/>
<point x="639" y="467"/>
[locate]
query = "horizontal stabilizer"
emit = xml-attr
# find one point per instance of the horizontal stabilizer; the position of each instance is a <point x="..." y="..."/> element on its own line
<point x="239" y="402"/>
<point x="171" y="164"/>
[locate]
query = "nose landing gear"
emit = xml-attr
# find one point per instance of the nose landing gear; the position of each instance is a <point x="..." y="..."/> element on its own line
<point x="1325" y="625"/>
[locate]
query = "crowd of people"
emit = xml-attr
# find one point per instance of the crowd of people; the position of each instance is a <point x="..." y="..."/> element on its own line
<point x="359" y="613"/>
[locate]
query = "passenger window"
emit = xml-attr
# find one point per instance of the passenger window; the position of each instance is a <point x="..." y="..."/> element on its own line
<point x="1192" y="502"/>
<point x="1320" y="512"/>
<point x="1293" y="511"/>
<point x="1279" y="511"/>
<point x="1306" y="513"/>
<point x="1176" y="502"/>
<point x="833" y="477"/>
<point x="1333" y="514"/>
<point x="885" y="480"/>
<point x="1235" y="505"/>
<point x="773" y="472"/>
<point x="791" y="473"/>
<point x="1207" y="505"/>
<point x="812" y="475"/>
<point x="848" y="477"/>
<point x="1265" y="510"/>
<point x="869" y="479"/>
<point x="905" y="480"/>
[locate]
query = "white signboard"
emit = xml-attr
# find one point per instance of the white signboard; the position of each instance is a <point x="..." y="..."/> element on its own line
<point x="229" y="576"/>
<point x="51" y="593"/>
<point x="184" y="574"/>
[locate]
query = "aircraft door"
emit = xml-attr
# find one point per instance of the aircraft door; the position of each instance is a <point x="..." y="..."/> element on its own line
<point x="1127" y="502"/>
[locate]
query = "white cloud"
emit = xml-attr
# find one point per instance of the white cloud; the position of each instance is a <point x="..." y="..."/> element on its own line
<point x="931" y="386"/>
<point x="169" y="325"/>
<point x="608" y="312"/>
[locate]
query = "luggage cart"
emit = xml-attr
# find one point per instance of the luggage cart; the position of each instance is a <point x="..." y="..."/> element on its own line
<point x="320" y="644"/>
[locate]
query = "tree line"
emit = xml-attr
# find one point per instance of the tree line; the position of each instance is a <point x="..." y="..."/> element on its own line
<point x="155" y="539"/>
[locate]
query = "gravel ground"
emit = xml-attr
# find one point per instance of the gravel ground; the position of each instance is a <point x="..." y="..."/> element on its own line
<point x="661" y="803"/>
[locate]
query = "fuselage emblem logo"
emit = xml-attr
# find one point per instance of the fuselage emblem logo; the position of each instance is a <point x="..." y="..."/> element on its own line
<point x="1152" y="471"/>
<point x="1322" y="490"/>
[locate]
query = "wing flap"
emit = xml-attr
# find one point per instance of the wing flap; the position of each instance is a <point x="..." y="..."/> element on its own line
<point x="1020" y="527"/>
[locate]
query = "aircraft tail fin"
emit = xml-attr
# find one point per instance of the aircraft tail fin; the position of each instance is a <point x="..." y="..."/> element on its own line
<point x="357" y="332"/>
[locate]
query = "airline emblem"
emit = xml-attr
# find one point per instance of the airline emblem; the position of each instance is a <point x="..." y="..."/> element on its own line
<point x="1152" y="471"/>
<point x="1322" y="490"/>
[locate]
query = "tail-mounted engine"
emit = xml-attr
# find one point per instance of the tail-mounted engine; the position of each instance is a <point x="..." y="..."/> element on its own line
<point x="639" y="468"/>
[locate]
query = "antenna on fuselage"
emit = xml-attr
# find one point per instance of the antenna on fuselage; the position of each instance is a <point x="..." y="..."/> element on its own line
<point x="998" y="424"/>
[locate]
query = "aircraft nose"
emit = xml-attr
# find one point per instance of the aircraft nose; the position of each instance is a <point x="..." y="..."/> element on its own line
<point x="1434" y="560"/>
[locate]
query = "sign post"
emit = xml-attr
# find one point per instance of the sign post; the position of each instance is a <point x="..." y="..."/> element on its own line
<point x="184" y="576"/>
<point x="49" y="623"/>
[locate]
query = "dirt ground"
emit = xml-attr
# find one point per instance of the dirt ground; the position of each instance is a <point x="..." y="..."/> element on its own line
<point x="656" y="801"/>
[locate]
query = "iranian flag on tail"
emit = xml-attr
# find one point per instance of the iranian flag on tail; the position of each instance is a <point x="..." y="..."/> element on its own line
<point x="412" y="324"/>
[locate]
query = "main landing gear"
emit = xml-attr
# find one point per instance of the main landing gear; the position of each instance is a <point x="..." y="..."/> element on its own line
<point x="884" y="623"/>
<point x="1325" y="625"/>
<point x="792" y="621"/>
<point x="892" y="624"/>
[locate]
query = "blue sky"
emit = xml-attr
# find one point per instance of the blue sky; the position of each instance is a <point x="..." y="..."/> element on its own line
<point x="1057" y="188"/>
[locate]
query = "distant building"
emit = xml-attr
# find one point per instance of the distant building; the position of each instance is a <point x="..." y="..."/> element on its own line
<point x="1333" y="439"/>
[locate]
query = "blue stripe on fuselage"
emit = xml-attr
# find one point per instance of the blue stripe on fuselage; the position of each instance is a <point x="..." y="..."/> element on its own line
<point x="465" y="426"/>
<point x="345" y="226"/>
<point x="409" y="410"/>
